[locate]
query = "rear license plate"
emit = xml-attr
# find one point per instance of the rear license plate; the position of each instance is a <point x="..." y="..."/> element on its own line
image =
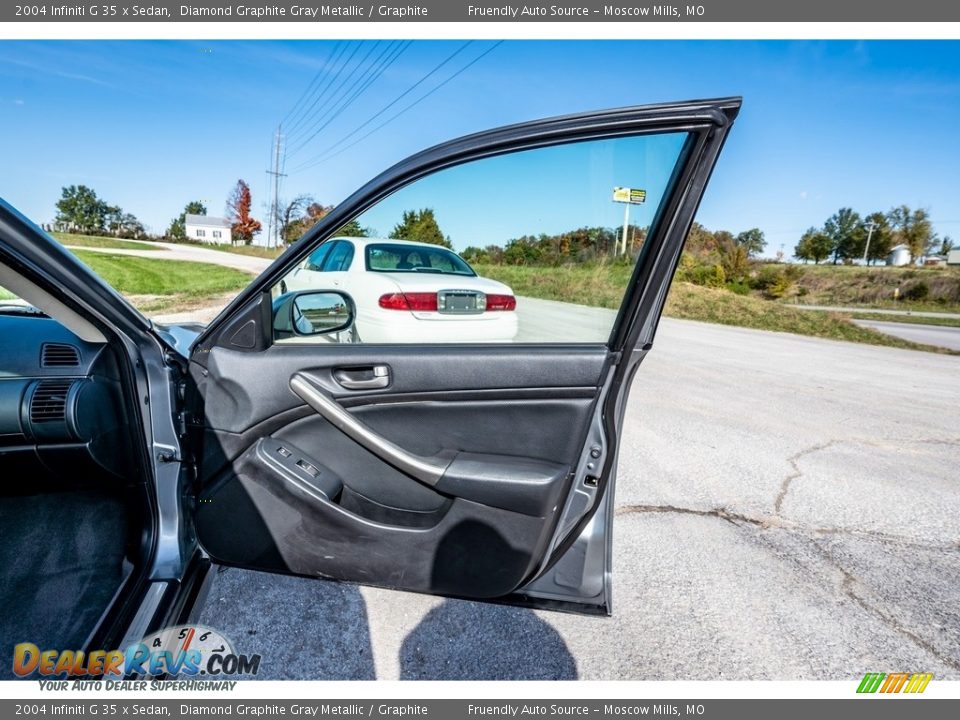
<point x="458" y="302"/>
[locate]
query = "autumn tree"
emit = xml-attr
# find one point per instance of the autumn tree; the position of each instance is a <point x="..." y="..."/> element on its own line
<point x="912" y="228"/>
<point x="290" y="217"/>
<point x="421" y="226"/>
<point x="242" y="224"/>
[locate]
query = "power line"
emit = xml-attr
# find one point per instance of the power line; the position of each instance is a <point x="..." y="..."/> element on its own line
<point x="337" y="46"/>
<point x="338" y="106"/>
<point x="401" y="112"/>
<point x="329" y="83"/>
<point x="318" y="92"/>
<point x="335" y="93"/>
<point x="380" y="66"/>
<point x="386" y="107"/>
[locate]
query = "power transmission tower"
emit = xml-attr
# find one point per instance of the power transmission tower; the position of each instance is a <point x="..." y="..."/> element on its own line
<point x="273" y="227"/>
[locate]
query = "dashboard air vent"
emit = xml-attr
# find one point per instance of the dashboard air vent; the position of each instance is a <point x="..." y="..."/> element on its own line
<point x="49" y="402"/>
<point x="59" y="355"/>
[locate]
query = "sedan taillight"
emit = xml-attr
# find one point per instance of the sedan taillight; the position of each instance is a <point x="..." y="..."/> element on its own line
<point x="501" y="302"/>
<point x="416" y="302"/>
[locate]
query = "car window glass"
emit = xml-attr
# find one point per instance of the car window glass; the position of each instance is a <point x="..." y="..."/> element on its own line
<point x="339" y="258"/>
<point x="534" y="246"/>
<point x="395" y="257"/>
<point x="7" y="296"/>
<point x="315" y="261"/>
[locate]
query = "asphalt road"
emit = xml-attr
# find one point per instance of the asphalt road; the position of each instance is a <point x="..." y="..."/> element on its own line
<point x="876" y="311"/>
<point x="939" y="335"/>
<point x="787" y="508"/>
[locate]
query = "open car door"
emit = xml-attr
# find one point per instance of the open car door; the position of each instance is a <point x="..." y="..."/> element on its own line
<point x="438" y="462"/>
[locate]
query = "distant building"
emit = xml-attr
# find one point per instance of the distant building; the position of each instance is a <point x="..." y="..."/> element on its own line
<point x="207" y="229"/>
<point x="953" y="257"/>
<point x="899" y="256"/>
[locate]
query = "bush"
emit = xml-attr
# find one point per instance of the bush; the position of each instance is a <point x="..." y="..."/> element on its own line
<point x="775" y="281"/>
<point x="738" y="288"/>
<point x="916" y="291"/>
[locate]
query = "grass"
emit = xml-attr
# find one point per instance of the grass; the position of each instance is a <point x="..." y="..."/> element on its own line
<point x="603" y="286"/>
<point x="596" y="285"/>
<point x="133" y="275"/>
<point x="692" y="302"/>
<point x="874" y="287"/>
<point x="5" y="295"/>
<point x="103" y="242"/>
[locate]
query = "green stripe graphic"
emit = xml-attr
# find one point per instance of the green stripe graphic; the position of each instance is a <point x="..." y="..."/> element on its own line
<point x="871" y="682"/>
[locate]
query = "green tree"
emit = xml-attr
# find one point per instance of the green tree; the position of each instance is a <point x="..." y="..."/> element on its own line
<point x="422" y="226"/>
<point x="914" y="229"/>
<point x="845" y="230"/>
<point x="178" y="226"/>
<point x="752" y="241"/>
<point x="946" y="246"/>
<point x="814" y="245"/>
<point x="353" y="229"/>
<point x="881" y="239"/>
<point x="81" y="210"/>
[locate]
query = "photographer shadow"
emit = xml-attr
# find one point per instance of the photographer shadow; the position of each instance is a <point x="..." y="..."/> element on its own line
<point x="463" y="640"/>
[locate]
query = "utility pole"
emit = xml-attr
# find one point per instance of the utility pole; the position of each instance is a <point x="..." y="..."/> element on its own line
<point x="626" y="227"/>
<point x="866" y="250"/>
<point x="273" y="227"/>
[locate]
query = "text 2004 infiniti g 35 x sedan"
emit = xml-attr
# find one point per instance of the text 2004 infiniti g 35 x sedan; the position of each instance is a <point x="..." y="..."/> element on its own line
<point x="408" y="292"/>
<point x="134" y="457"/>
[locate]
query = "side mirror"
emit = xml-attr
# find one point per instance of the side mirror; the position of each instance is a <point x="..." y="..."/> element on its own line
<point x="312" y="312"/>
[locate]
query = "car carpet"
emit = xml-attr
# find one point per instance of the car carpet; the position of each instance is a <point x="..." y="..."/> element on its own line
<point x="61" y="561"/>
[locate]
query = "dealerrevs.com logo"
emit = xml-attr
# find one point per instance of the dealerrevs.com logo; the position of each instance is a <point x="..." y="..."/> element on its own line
<point x="184" y="650"/>
<point x="888" y="683"/>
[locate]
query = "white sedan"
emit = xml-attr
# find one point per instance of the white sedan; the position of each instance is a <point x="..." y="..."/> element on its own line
<point x="409" y="292"/>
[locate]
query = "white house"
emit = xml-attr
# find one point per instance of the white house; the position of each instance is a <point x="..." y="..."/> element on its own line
<point x="207" y="229"/>
<point x="953" y="257"/>
<point x="899" y="255"/>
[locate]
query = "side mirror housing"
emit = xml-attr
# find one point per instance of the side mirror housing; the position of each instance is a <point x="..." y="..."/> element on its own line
<point x="309" y="313"/>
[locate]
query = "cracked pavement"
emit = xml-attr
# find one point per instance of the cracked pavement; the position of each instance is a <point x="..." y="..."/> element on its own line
<point x="787" y="508"/>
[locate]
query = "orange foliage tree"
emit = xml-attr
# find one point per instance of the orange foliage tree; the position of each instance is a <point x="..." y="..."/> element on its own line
<point x="242" y="224"/>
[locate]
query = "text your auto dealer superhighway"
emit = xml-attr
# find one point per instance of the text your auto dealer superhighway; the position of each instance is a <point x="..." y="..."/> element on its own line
<point x="303" y="12"/>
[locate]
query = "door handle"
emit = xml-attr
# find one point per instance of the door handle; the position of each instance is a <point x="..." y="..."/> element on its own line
<point x="427" y="470"/>
<point x="373" y="378"/>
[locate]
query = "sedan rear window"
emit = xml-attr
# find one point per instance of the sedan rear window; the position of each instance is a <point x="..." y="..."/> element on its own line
<point x="390" y="257"/>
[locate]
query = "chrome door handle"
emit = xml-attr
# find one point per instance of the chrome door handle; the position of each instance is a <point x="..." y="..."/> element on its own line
<point x="360" y="379"/>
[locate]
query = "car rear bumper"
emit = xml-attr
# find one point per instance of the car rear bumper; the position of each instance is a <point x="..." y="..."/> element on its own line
<point x="405" y="327"/>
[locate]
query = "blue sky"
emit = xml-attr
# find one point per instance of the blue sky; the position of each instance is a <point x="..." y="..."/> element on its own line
<point x="546" y="190"/>
<point x="152" y="125"/>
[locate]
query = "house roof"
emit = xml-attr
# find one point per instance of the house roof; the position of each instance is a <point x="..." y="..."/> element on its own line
<point x="206" y="221"/>
<point x="900" y="247"/>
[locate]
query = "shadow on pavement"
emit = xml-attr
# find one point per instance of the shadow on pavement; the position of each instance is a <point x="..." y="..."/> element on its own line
<point x="302" y="629"/>
<point x="461" y="640"/>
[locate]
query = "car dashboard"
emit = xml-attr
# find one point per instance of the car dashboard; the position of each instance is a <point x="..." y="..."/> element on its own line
<point x="62" y="421"/>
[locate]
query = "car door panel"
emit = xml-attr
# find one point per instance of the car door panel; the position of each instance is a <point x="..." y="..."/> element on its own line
<point x="499" y="417"/>
<point x="479" y="471"/>
<point x="239" y="394"/>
